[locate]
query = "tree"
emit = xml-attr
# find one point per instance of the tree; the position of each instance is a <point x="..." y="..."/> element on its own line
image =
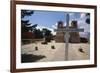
<point x="88" y="18"/>
<point x="25" y="25"/>
<point x="26" y="13"/>
<point x="47" y="34"/>
<point x="38" y="33"/>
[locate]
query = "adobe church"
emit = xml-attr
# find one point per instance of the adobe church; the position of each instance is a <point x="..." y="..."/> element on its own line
<point x="74" y="36"/>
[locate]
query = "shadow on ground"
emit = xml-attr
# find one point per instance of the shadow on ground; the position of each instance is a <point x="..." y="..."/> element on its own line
<point x="25" y="58"/>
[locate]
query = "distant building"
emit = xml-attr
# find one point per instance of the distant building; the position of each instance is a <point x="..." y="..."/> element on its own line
<point x="28" y="35"/>
<point x="74" y="36"/>
<point x="60" y="35"/>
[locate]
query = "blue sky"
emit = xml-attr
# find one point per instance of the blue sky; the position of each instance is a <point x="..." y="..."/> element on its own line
<point x="49" y="19"/>
<point x="46" y="18"/>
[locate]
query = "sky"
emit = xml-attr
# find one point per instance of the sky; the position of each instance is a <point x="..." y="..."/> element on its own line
<point x="49" y="19"/>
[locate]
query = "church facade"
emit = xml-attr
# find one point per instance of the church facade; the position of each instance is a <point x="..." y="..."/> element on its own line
<point x="74" y="36"/>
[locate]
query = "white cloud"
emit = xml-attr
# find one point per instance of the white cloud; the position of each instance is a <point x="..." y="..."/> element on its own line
<point x="83" y="15"/>
<point x="85" y="26"/>
<point x="54" y="26"/>
<point x="65" y="24"/>
<point x="86" y="34"/>
<point x="41" y="27"/>
<point x="71" y="14"/>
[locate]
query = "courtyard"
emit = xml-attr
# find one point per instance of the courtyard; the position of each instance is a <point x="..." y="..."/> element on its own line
<point x="55" y="52"/>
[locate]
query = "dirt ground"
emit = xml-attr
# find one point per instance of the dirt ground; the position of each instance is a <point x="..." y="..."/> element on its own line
<point x="79" y="51"/>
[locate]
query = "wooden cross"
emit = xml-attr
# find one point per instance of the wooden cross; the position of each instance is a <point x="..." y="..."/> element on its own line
<point x="67" y="30"/>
